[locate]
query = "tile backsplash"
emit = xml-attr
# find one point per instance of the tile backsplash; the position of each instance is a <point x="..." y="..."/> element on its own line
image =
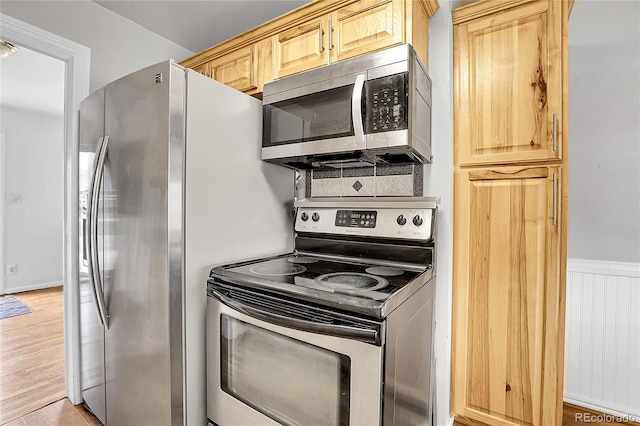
<point x="405" y="180"/>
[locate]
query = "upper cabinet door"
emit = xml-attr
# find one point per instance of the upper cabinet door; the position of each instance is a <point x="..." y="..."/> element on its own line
<point x="301" y="48"/>
<point x="203" y="69"/>
<point x="366" y="26"/>
<point x="236" y="69"/>
<point x="508" y="85"/>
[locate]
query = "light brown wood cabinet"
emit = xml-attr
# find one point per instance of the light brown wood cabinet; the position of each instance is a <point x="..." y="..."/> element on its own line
<point x="366" y="26"/>
<point x="245" y="69"/>
<point x="203" y="69"/>
<point x="505" y="295"/>
<point x="509" y="75"/>
<point x="237" y="69"/>
<point x="302" y="48"/>
<point x="510" y="211"/>
<point x="315" y="35"/>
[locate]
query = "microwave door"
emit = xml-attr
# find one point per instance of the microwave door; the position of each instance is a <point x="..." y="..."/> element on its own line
<point x="325" y="120"/>
<point x="289" y="126"/>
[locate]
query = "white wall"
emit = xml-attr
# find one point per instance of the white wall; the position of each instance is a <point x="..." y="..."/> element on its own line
<point x="604" y="113"/>
<point x="438" y="178"/>
<point x="603" y="285"/>
<point x="118" y="46"/>
<point x="33" y="167"/>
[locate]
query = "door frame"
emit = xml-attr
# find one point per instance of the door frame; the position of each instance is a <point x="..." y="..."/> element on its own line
<point x="77" y="59"/>
<point x="2" y="206"/>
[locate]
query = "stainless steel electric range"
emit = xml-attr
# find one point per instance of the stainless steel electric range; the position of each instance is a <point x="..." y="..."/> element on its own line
<point x="338" y="332"/>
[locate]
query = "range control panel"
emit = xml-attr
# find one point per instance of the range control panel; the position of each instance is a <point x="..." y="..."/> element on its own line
<point x="384" y="222"/>
<point x="356" y="218"/>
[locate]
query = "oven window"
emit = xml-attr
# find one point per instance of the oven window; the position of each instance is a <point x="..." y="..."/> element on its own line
<point x="288" y="380"/>
<point x="321" y="115"/>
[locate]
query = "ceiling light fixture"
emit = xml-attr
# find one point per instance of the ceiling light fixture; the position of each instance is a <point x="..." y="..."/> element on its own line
<point x="7" y="49"/>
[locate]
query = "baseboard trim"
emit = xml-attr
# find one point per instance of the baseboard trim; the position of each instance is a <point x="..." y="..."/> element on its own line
<point x="576" y="406"/>
<point x="571" y="407"/>
<point x="32" y="287"/>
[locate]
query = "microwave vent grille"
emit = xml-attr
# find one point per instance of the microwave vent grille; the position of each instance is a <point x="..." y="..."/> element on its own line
<point x="343" y="164"/>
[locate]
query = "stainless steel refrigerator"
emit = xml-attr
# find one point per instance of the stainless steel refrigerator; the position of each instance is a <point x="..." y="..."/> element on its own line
<point x="171" y="183"/>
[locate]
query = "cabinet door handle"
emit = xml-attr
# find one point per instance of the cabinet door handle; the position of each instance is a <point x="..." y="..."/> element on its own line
<point x="329" y="31"/>
<point x="555" y="132"/>
<point x="321" y="39"/>
<point x="555" y="199"/>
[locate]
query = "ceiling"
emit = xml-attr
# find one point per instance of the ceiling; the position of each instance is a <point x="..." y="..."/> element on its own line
<point x="30" y="80"/>
<point x="200" y="24"/>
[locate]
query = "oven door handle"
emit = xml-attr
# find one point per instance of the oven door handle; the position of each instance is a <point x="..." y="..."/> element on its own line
<point x="363" y="335"/>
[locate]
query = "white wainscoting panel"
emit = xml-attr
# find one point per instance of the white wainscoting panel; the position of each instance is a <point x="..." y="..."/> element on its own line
<point x="603" y="336"/>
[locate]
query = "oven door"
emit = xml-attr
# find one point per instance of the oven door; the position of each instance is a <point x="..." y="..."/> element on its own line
<point x="263" y="373"/>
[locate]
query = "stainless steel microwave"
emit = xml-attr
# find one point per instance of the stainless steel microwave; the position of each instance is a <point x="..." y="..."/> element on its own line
<point x="374" y="109"/>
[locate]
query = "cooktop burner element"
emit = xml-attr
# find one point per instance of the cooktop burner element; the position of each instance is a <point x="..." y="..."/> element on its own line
<point x="351" y="281"/>
<point x="277" y="269"/>
<point x="384" y="271"/>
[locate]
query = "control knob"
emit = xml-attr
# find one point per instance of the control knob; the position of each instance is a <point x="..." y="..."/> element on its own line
<point x="401" y="220"/>
<point x="315" y="217"/>
<point x="417" y="220"/>
<point x="304" y="216"/>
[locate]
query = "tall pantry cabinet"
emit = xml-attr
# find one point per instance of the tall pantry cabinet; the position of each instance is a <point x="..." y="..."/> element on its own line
<point x="510" y="211"/>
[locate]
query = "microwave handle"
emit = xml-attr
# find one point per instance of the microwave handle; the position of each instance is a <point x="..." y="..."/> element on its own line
<point x="356" y="109"/>
<point x="363" y="335"/>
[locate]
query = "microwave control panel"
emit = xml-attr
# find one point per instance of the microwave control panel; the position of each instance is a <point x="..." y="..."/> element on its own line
<point x="386" y="103"/>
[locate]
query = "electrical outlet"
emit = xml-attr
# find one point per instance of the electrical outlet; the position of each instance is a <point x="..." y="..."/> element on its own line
<point x="12" y="269"/>
<point x="15" y="198"/>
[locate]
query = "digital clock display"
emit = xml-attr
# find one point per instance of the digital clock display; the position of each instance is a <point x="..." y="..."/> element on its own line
<point x="356" y="218"/>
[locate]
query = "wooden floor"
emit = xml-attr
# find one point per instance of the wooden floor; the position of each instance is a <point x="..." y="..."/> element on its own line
<point x="32" y="386"/>
<point x="32" y="372"/>
<point x="60" y="413"/>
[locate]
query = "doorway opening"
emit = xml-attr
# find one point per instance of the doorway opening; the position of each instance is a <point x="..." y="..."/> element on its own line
<point x="76" y="60"/>
<point x="32" y="232"/>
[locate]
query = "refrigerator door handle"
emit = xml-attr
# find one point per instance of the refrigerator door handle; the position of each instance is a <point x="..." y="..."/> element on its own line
<point x="91" y="233"/>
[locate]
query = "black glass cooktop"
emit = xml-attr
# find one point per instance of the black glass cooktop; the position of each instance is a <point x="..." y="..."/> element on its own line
<point x="344" y="283"/>
<point x="344" y="276"/>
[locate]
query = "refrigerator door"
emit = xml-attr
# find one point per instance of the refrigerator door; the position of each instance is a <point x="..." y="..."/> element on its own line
<point x="237" y="207"/>
<point x="143" y="343"/>
<point x="91" y="329"/>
